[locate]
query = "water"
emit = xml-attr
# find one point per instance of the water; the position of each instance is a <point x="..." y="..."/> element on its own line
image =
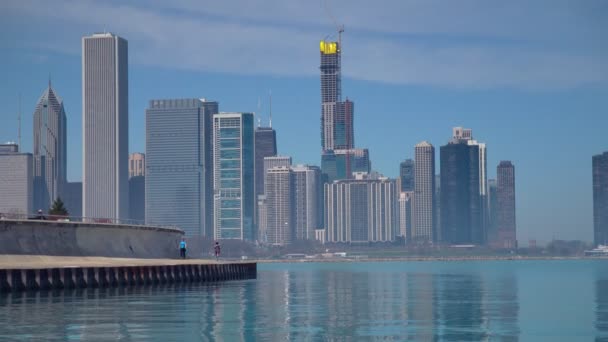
<point x="563" y="300"/>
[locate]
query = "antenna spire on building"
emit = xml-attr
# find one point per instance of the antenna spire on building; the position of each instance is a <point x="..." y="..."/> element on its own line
<point x="270" y="108"/>
<point x="19" y="119"/>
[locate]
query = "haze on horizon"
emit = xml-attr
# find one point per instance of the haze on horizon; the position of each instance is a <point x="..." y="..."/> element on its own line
<point x="530" y="79"/>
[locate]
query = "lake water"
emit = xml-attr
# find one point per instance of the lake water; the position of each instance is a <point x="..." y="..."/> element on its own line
<point x="553" y="300"/>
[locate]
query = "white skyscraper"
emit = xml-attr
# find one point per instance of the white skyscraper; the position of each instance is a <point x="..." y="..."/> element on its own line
<point x="16" y="182"/>
<point x="424" y="194"/>
<point x="279" y="192"/>
<point x="308" y="198"/>
<point x="105" y="126"/>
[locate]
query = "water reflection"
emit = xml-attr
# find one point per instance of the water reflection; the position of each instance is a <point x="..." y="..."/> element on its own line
<point x="601" y="300"/>
<point x="289" y="302"/>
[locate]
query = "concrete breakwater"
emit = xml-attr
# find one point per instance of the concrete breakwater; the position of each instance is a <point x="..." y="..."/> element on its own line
<point x="119" y="273"/>
<point x="41" y="237"/>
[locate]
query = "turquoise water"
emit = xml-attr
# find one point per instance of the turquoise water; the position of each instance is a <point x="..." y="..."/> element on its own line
<point x="560" y="300"/>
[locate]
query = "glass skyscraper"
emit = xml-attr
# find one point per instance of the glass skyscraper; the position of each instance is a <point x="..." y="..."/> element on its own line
<point x="600" y="198"/>
<point x="50" y="146"/>
<point x="179" y="164"/>
<point x="233" y="176"/>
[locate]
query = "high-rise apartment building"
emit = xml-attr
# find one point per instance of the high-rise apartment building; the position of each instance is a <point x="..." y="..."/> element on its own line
<point x="50" y="149"/>
<point x="233" y="176"/>
<point x="280" y="205"/>
<point x="505" y="198"/>
<point x="407" y="170"/>
<point x="361" y="210"/>
<point x="423" y="229"/>
<point x="600" y="198"/>
<point x="137" y="164"/>
<point x="179" y="164"/>
<point x="461" y="212"/>
<point x="16" y="182"/>
<point x="105" y="110"/>
<point x="308" y="201"/>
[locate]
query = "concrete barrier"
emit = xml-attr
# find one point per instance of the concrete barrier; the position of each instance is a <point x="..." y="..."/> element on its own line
<point x="34" y="237"/>
<point x="33" y="279"/>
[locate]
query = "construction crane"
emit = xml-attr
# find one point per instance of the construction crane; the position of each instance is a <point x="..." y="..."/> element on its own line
<point x="339" y="27"/>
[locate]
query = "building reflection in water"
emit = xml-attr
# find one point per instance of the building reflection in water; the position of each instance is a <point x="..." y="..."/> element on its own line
<point x="290" y="302"/>
<point x="601" y="308"/>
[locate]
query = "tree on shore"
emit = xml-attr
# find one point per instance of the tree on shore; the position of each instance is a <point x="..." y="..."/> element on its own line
<point x="58" y="208"/>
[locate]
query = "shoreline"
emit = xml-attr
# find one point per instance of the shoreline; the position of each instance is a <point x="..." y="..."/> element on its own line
<point x="426" y="259"/>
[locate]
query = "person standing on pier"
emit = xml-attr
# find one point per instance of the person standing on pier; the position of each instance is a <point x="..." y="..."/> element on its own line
<point x="216" y="250"/>
<point x="182" y="249"/>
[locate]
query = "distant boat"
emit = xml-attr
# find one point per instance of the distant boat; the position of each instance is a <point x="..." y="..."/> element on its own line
<point x="601" y="250"/>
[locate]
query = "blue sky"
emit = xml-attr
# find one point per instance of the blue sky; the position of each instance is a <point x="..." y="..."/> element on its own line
<point x="529" y="77"/>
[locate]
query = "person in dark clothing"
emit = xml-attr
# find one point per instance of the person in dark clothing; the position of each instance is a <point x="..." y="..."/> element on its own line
<point x="182" y="249"/>
<point x="216" y="250"/>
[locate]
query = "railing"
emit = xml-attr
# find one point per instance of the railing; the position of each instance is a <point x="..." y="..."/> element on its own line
<point x="69" y="218"/>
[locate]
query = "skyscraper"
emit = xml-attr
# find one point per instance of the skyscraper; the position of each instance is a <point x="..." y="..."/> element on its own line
<point x="16" y="182"/>
<point x="72" y="199"/>
<point x="275" y="161"/>
<point x="424" y="194"/>
<point x="600" y="198"/>
<point x="280" y="205"/>
<point x="406" y="200"/>
<point x="505" y="198"/>
<point x="492" y="228"/>
<point x="137" y="164"/>
<point x="50" y="146"/>
<point x="361" y="210"/>
<point x="406" y="175"/>
<point x="233" y="176"/>
<point x="341" y="164"/>
<point x="460" y="196"/>
<point x="265" y="146"/>
<point x="179" y="170"/>
<point x="331" y="91"/>
<point x="344" y="125"/>
<point x="308" y="199"/>
<point x="105" y="106"/>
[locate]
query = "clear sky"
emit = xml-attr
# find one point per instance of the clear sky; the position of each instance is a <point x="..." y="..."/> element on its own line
<point x="529" y="77"/>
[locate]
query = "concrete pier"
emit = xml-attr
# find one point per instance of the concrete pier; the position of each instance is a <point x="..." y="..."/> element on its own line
<point x="27" y="273"/>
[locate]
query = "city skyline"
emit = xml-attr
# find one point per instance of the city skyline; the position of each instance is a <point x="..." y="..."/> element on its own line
<point x="458" y="107"/>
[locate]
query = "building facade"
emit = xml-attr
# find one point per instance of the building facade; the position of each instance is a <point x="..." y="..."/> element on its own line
<point x="179" y="164"/>
<point x="406" y="201"/>
<point x="492" y="227"/>
<point x="72" y="199"/>
<point x="265" y="146"/>
<point x="424" y="194"/>
<point x="361" y="211"/>
<point x="600" y="198"/>
<point x="16" y="182"/>
<point x="505" y="198"/>
<point x="137" y="164"/>
<point x="407" y="170"/>
<point x="105" y="109"/>
<point x="50" y="149"/>
<point x="341" y="164"/>
<point x="461" y="212"/>
<point x="280" y="206"/>
<point x="308" y="199"/>
<point x="233" y="176"/>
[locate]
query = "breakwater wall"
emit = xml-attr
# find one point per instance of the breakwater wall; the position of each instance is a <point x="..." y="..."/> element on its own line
<point x="78" y="277"/>
<point x="39" y="237"/>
